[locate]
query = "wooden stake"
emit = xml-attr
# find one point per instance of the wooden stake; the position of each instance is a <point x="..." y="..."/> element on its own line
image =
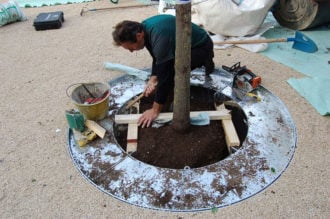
<point x="132" y="137"/>
<point x="99" y="130"/>
<point x="229" y="128"/>
<point x="230" y="133"/>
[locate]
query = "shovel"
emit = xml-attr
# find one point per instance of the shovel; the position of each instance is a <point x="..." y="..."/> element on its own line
<point x="85" y="10"/>
<point x="300" y="42"/>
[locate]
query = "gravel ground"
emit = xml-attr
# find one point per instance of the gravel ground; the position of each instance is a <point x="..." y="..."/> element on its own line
<point x="37" y="176"/>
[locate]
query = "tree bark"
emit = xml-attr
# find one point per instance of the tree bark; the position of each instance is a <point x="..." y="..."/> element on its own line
<point x="181" y="105"/>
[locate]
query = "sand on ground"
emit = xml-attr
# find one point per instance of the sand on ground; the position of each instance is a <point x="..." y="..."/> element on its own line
<point x="37" y="176"/>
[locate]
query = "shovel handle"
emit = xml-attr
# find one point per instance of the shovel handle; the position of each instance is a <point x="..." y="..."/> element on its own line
<point x="111" y="8"/>
<point x="252" y="41"/>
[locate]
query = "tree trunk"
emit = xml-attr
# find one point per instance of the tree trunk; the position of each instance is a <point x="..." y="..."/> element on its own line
<point x="181" y="105"/>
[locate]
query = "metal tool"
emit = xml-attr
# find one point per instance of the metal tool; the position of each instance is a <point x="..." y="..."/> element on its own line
<point x="300" y="42"/>
<point x="85" y="9"/>
<point x="90" y="94"/>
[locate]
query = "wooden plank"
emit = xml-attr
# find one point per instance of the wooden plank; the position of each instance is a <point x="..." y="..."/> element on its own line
<point x="99" y="130"/>
<point x="133" y="118"/>
<point x="230" y="133"/>
<point x="132" y="137"/>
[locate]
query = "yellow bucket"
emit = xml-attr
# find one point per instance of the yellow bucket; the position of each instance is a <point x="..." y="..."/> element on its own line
<point x="93" y="111"/>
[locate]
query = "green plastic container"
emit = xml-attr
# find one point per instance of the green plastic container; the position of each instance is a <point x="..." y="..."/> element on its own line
<point x="76" y="120"/>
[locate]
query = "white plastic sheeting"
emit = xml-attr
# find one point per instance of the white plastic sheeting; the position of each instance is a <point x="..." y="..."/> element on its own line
<point x="10" y="12"/>
<point x="233" y="20"/>
<point x="230" y="17"/>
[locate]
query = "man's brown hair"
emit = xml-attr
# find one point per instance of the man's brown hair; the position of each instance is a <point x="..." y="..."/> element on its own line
<point x="126" y="31"/>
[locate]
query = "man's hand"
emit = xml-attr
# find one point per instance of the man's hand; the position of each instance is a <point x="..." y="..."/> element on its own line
<point x="150" y="115"/>
<point x="151" y="86"/>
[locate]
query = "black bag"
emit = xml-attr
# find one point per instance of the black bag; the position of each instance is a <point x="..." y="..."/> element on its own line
<point x="50" y="20"/>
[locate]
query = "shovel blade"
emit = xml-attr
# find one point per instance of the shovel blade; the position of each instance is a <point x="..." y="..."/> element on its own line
<point x="303" y="43"/>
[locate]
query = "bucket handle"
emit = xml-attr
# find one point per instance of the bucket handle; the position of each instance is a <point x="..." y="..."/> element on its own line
<point x="71" y="85"/>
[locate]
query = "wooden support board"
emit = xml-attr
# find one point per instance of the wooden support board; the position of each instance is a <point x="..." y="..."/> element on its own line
<point x="230" y="133"/>
<point x="223" y="114"/>
<point x="133" y="118"/>
<point x="132" y="137"/>
<point x="92" y="125"/>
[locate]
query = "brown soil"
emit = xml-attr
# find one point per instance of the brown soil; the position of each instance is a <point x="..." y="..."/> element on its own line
<point x="165" y="147"/>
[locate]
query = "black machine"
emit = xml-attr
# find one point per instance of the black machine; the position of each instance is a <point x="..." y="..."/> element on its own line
<point x="244" y="78"/>
<point x="50" y="20"/>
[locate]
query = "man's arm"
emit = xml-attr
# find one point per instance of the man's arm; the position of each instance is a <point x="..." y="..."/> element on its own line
<point x="151" y="86"/>
<point x="165" y="82"/>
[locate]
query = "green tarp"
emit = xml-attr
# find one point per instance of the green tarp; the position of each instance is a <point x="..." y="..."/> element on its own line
<point x="315" y="87"/>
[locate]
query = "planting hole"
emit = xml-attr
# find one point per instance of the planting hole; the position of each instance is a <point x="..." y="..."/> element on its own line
<point x="200" y="146"/>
